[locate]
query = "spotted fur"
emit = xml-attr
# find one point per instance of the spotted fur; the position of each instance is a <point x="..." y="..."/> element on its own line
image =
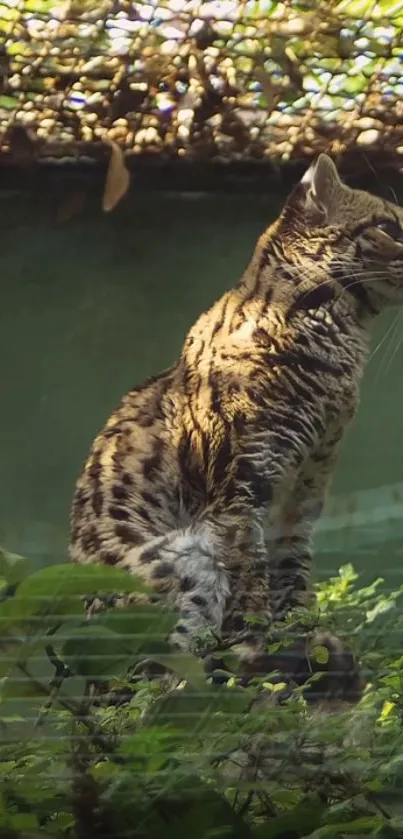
<point x="207" y="480"/>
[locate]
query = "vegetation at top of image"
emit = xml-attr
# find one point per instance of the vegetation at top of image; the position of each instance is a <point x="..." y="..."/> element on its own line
<point x="239" y="79"/>
<point x="136" y="757"/>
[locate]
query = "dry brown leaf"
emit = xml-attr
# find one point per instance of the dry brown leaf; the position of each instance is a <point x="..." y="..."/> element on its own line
<point x="117" y="178"/>
<point x="268" y="88"/>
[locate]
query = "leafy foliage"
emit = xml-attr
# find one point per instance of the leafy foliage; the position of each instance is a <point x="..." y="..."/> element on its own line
<point x="91" y="746"/>
<point x="219" y="80"/>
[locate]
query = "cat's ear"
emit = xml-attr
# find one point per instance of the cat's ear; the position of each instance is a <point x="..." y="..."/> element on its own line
<point x="318" y="189"/>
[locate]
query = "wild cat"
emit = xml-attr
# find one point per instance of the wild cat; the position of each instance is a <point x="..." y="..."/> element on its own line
<point x="207" y="480"/>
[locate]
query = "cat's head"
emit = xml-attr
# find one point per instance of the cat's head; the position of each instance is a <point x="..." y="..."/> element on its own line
<point x="358" y="236"/>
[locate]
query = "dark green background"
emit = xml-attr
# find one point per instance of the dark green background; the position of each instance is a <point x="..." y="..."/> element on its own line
<point x="92" y="305"/>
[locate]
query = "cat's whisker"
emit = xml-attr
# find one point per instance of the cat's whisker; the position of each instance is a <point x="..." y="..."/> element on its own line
<point x="397" y="334"/>
<point x="382" y="340"/>
<point x="388" y="340"/>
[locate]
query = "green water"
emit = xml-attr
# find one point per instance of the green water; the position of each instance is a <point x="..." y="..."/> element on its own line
<point x="91" y="306"/>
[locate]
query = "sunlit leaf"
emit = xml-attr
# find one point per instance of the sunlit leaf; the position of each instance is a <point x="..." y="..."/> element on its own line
<point x="40" y="6"/>
<point x="8" y="102"/>
<point x="320" y="654"/>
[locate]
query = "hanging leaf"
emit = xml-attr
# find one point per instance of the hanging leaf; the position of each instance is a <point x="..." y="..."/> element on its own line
<point x="117" y="178"/>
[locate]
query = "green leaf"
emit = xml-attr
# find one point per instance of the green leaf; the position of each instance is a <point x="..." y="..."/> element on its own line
<point x="8" y="102"/>
<point x="23" y="821"/>
<point x="145" y="626"/>
<point x="363" y="827"/>
<point x="300" y="821"/>
<point x="204" y="814"/>
<point x="348" y="573"/>
<point x="96" y="652"/>
<point x="46" y="597"/>
<point x="39" y="6"/>
<point x="185" y="665"/>
<point x="200" y="711"/>
<point x="19" y="686"/>
<point x="320" y="654"/>
<point x="13" y="568"/>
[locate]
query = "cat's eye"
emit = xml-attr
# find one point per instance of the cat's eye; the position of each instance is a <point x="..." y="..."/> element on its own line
<point x="391" y="228"/>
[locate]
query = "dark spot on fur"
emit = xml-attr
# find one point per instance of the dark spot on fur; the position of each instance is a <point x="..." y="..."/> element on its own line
<point x="145" y="515"/>
<point x="74" y="532"/>
<point x="80" y="498"/>
<point x="94" y="474"/>
<point x="256" y="397"/>
<point x="152" y="465"/>
<point x="145" y="419"/>
<point x="127" y="535"/>
<point x="214" y="383"/>
<point x="119" y="492"/>
<point x="118" y="513"/>
<point x="198" y="600"/>
<point x="109" y="557"/>
<point x="151" y="499"/>
<point x="149" y="554"/>
<point x="230" y="490"/>
<point x="261" y="338"/>
<point x="193" y="472"/>
<point x="187" y="584"/>
<point x="239" y="422"/>
<point x="97" y="502"/>
<point x="222" y="460"/>
<point x="162" y="570"/>
<point x="90" y="541"/>
<point x="257" y="486"/>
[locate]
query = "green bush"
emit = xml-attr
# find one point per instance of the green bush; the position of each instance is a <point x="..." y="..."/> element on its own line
<point x="179" y="757"/>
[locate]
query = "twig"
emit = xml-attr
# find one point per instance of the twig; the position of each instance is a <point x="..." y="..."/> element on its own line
<point x="62" y="672"/>
<point x="74" y="709"/>
<point x="246" y="804"/>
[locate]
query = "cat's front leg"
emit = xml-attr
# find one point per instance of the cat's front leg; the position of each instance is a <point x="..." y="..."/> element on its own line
<point x="292" y="545"/>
